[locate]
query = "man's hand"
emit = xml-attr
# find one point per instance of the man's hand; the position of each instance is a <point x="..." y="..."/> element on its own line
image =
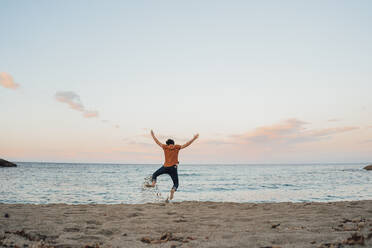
<point x="189" y="142"/>
<point x="155" y="139"/>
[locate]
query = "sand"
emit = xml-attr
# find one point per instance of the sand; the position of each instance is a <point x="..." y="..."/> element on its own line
<point x="188" y="224"/>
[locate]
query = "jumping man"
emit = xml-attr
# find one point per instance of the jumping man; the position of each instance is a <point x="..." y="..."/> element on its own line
<point x="171" y="161"/>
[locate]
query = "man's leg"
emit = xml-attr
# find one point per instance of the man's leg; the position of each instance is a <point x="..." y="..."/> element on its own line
<point x="172" y="193"/>
<point x="174" y="175"/>
<point x="157" y="173"/>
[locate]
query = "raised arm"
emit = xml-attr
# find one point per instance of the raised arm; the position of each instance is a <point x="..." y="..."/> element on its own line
<point x="155" y="139"/>
<point x="189" y="142"/>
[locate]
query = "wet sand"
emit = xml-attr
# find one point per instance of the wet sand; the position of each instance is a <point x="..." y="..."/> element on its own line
<point x="188" y="224"/>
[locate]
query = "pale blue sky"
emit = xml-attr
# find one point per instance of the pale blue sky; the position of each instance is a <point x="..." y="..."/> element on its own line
<point x="214" y="67"/>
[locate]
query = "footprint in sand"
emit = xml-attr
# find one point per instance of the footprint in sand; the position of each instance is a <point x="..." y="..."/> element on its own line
<point x="180" y="220"/>
<point x="71" y="229"/>
<point x="105" y="232"/>
<point x="135" y="214"/>
<point x="85" y="237"/>
<point x="227" y="236"/>
<point x="93" y="222"/>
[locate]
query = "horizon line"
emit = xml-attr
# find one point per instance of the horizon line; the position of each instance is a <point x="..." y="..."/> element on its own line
<point x="265" y="163"/>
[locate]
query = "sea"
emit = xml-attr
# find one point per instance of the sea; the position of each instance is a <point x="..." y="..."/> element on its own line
<point x="78" y="183"/>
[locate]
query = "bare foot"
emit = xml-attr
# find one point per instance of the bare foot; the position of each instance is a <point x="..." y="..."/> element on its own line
<point x="171" y="194"/>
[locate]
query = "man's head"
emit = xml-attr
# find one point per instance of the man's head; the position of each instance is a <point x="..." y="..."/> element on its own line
<point x="170" y="142"/>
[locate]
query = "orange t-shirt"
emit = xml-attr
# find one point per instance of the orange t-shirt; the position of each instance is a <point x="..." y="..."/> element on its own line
<point x="171" y="154"/>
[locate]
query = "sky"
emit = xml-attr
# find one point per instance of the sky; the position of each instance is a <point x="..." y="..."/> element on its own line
<point x="260" y="81"/>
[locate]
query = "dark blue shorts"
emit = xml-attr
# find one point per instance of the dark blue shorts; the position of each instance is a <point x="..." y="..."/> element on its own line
<point x="171" y="171"/>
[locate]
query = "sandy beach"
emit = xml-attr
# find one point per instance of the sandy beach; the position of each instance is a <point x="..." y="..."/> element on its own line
<point x="188" y="224"/>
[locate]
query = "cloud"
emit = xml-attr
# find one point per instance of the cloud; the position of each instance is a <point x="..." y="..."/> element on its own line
<point x="287" y="140"/>
<point x="277" y="132"/>
<point x="330" y="131"/>
<point x="287" y="132"/>
<point x="90" y="114"/>
<point x="7" y="81"/>
<point x="216" y="142"/>
<point x="132" y="142"/>
<point x="334" y="120"/>
<point x="73" y="100"/>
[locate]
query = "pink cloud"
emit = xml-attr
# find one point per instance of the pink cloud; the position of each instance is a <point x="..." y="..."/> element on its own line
<point x="277" y="132"/>
<point x="135" y="143"/>
<point x="330" y="131"/>
<point x="73" y="101"/>
<point x="286" y="140"/>
<point x="216" y="142"/>
<point x="90" y="114"/>
<point x="288" y="131"/>
<point x="7" y="81"/>
<point x="334" y="120"/>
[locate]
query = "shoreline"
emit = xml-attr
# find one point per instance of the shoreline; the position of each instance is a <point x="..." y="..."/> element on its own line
<point x="187" y="224"/>
<point x="175" y="202"/>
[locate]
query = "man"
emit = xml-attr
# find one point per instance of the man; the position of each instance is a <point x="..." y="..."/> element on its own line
<point x="171" y="161"/>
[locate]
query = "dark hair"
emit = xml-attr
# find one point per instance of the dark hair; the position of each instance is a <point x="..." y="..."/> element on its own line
<point x="170" y="142"/>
